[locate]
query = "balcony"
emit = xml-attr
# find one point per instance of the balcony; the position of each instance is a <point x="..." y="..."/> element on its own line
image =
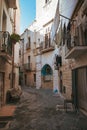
<point x="11" y="4"/>
<point x="74" y="48"/>
<point x="28" y="67"/>
<point x="46" y="47"/>
<point x="5" y="45"/>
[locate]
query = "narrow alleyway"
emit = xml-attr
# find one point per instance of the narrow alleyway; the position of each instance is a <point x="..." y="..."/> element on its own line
<point x="37" y="111"/>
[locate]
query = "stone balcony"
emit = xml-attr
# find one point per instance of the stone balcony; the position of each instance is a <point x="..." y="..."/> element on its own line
<point x="5" y="45"/>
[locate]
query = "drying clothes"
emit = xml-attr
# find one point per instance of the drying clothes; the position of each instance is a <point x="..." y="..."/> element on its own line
<point x="58" y="60"/>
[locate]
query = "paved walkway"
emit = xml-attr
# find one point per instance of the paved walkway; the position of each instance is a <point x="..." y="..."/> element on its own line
<point x="37" y="110"/>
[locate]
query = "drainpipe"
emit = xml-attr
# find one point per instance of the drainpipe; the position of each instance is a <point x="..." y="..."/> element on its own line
<point x="14" y="30"/>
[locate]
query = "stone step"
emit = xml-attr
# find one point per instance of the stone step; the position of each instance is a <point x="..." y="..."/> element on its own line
<point x="6" y="118"/>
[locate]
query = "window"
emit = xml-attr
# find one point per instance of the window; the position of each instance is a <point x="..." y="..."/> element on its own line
<point x="19" y="52"/>
<point x="38" y="39"/>
<point x="81" y="35"/>
<point x="34" y="77"/>
<point x="4" y="20"/>
<point x="46" y="1"/>
<point x="29" y="41"/>
<point x="28" y="59"/>
<point x="47" y="40"/>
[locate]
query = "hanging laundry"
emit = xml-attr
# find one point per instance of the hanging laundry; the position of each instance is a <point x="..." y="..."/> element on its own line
<point x="58" y="61"/>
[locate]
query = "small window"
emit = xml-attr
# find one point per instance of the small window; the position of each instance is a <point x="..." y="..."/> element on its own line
<point x="29" y="41"/>
<point x="64" y="89"/>
<point x="46" y="1"/>
<point x="34" y="77"/>
<point x="38" y="39"/>
<point x="28" y="59"/>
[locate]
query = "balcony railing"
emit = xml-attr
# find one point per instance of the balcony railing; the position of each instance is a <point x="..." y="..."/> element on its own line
<point x="74" y="48"/>
<point x="5" y="44"/>
<point x="28" y="66"/>
<point x="46" y="47"/>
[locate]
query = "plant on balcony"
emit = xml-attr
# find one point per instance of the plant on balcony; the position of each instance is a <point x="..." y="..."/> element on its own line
<point x="15" y="38"/>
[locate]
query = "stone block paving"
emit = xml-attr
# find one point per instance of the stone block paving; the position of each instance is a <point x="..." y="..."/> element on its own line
<point x="38" y="110"/>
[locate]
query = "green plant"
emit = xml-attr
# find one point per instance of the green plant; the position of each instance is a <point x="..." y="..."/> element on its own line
<point x="15" y="37"/>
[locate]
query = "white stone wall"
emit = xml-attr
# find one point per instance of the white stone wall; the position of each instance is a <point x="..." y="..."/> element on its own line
<point x="44" y="15"/>
<point x="7" y="67"/>
<point x="45" y="12"/>
<point x="30" y="32"/>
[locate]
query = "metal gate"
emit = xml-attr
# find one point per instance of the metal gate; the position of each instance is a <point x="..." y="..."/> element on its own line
<point x="1" y="88"/>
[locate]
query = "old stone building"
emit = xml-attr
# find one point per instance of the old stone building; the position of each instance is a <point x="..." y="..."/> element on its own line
<point x="71" y="40"/>
<point x="59" y="44"/>
<point x="27" y="59"/>
<point x="46" y="75"/>
<point x="7" y="26"/>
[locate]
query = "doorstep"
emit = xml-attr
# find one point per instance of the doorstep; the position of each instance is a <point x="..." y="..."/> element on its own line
<point x="6" y="116"/>
<point x="7" y="111"/>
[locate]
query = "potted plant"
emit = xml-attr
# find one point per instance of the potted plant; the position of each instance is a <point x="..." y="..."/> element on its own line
<point x="15" y="37"/>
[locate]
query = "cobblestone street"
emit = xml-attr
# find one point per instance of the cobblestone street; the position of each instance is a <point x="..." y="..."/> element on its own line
<point x="37" y="111"/>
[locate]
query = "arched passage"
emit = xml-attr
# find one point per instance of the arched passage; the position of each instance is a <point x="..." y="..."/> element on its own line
<point x="47" y="76"/>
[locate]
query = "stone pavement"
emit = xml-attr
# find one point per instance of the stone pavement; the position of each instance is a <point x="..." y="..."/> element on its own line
<point x="37" y="111"/>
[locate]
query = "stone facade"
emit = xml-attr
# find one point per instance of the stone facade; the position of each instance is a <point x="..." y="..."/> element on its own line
<point x="73" y="49"/>
<point x="44" y="20"/>
<point x="27" y="58"/>
<point x="43" y="52"/>
<point x="7" y="28"/>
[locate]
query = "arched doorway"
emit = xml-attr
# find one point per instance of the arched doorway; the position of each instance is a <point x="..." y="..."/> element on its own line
<point x="47" y="76"/>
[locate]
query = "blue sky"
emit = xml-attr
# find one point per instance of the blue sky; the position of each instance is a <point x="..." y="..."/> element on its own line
<point x="28" y="12"/>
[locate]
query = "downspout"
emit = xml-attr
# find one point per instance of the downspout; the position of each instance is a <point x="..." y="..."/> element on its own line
<point x="0" y="15"/>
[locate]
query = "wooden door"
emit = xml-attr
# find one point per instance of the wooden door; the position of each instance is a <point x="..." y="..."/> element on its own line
<point x="82" y="87"/>
<point x="1" y="89"/>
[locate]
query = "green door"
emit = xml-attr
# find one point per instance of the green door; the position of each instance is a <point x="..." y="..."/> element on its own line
<point x="74" y="88"/>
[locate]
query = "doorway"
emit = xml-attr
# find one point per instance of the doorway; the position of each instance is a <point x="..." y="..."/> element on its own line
<point x="79" y="87"/>
<point x="1" y="89"/>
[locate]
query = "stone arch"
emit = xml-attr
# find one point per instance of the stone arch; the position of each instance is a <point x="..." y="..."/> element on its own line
<point x="46" y="70"/>
<point x="47" y="76"/>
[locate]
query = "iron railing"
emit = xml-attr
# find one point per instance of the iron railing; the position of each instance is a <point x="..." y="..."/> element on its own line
<point x="5" y="42"/>
<point x="45" y="45"/>
<point x="74" y="42"/>
<point x="28" y="66"/>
